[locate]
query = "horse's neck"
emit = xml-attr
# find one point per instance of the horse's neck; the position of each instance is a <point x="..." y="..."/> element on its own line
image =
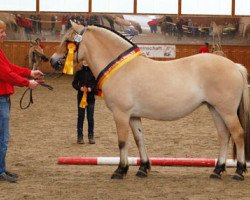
<point x="103" y="47"/>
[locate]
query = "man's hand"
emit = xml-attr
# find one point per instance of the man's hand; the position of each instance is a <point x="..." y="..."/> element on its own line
<point x="33" y="84"/>
<point x="37" y="74"/>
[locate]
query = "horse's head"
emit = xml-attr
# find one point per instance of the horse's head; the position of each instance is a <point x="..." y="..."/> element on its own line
<point x="36" y="55"/>
<point x="70" y="42"/>
<point x="95" y="44"/>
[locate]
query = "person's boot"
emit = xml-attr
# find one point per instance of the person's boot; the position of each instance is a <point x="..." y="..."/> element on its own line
<point x="11" y="174"/>
<point x="5" y="177"/>
<point x="80" y="140"/>
<point x="79" y="136"/>
<point x="91" y="140"/>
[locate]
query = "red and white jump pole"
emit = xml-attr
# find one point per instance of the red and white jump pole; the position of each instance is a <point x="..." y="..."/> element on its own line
<point x="135" y="161"/>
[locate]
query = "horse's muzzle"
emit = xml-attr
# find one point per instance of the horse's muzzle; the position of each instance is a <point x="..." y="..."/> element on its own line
<point x="57" y="64"/>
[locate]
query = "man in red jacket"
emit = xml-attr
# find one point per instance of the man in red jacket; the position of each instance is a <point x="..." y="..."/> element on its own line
<point x="10" y="75"/>
<point x="204" y="48"/>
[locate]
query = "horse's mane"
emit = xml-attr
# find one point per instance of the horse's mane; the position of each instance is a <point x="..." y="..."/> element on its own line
<point x="112" y="34"/>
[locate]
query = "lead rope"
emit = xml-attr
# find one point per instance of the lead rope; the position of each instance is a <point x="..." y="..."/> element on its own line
<point x="31" y="96"/>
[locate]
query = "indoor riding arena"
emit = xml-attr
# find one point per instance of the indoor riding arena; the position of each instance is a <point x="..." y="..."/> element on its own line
<point x="190" y="145"/>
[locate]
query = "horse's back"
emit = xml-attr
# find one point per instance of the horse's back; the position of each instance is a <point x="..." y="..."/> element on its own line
<point x="196" y="67"/>
<point x="168" y="90"/>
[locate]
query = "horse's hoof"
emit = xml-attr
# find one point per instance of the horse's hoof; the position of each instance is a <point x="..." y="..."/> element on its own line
<point x="241" y="168"/>
<point x="117" y="176"/>
<point x="141" y="174"/>
<point x="215" y="176"/>
<point x="238" y="177"/>
<point x="143" y="170"/>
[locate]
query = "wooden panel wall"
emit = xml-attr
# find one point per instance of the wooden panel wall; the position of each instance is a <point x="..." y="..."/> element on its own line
<point x="17" y="52"/>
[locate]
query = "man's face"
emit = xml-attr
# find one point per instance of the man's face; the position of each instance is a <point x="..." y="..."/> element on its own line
<point x="2" y="35"/>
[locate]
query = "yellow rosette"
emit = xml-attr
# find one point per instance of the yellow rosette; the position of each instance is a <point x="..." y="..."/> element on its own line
<point x="69" y="63"/>
<point x="83" y="102"/>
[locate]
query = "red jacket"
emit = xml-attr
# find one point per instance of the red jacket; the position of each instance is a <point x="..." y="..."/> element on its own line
<point x="11" y="75"/>
<point x="204" y="49"/>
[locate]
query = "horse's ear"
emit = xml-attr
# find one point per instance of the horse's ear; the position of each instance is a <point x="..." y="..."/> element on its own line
<point x="72" y="23"/>
<point x="76" y="26"/>
<point x="32" y="43"/>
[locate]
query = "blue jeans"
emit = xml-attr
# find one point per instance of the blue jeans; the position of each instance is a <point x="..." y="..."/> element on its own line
<point x="4" y="129"/>
<point x="90" y="117"/>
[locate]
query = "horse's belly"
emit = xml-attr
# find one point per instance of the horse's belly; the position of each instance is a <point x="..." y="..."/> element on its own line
<point x="167" y="111"/>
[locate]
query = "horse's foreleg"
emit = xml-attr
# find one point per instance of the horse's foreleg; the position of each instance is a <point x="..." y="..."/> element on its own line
<point x="122" y="126"/>
<point x="135" y="124"/>
<point x="34" y="66"/>
<point x="213" y="39"/>
<point x="219" y="38"/>
<point x="224" y="137"/>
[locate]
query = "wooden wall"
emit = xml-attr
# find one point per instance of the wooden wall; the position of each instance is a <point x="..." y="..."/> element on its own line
<point x="17" y="52"/>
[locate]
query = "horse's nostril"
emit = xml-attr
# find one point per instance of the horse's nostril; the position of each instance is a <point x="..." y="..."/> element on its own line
<point x="57" y="64"/>
<point x="51" y="61"/>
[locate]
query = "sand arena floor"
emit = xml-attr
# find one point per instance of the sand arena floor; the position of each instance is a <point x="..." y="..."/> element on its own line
<point x="47" y="130"/>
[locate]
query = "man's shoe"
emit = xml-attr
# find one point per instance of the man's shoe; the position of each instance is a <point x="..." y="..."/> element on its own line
<point x="5" y="177"/>
<point x="91" y="141"/>
<point x="80" y="141"/>
<point x="11" y="174"/>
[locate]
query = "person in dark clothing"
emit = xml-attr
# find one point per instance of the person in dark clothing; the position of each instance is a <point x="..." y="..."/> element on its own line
<point x="179" y="27"/>
<point x="93" y="20"/>
<point x="84" y="82"/>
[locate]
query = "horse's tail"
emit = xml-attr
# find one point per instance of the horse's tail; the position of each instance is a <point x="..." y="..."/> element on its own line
<point x="243" y="111"/>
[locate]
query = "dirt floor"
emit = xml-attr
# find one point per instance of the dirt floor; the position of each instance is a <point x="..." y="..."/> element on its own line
<point x="47" y="130"/>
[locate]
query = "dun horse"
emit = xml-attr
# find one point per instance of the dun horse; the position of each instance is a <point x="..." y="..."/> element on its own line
<point x="136" y="87"/>
<point x="216" y="31"/>
<point x="218" y="50"/>
<point x="36" y="56"/>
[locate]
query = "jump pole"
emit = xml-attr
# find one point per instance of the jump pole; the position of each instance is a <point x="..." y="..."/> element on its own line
<point x="135" y="161"/>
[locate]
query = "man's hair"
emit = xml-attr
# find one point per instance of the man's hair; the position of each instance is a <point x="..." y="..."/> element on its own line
<point x="206" y="43"/>
<point x="2" y="24"/>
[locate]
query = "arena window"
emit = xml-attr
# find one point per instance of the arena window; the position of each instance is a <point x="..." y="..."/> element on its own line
<point x="113" y="6"/>
<point x="242" y="7"/>
<point x="157" y="6"/>
<point x="64" y="6"/>
<point x="212" y="7"/>
<point x="17" y="5"/>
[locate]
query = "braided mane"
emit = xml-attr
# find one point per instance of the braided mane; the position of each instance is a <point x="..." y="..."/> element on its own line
<point x="116" y="32"/>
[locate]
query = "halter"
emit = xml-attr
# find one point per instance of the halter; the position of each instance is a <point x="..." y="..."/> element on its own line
<point x="77" y="40"/>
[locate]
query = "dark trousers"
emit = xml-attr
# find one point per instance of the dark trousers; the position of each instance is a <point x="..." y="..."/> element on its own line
<point x="90" y="117"/>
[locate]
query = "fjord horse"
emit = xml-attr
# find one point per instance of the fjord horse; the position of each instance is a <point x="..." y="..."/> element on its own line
<point x="136" y="87"/>
<point x="216" y="49"/>
<point x="36" y="56"/>
<point x="216" y="31"/>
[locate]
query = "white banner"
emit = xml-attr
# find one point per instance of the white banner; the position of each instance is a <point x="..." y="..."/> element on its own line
<point x="159" y="51"/>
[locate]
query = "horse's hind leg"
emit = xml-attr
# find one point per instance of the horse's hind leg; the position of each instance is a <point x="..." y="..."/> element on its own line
<point x="136" y="126"/>
<point x="224" y="137"/>
<point x="122" y="126"/>
<point x="237" y="133"/>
